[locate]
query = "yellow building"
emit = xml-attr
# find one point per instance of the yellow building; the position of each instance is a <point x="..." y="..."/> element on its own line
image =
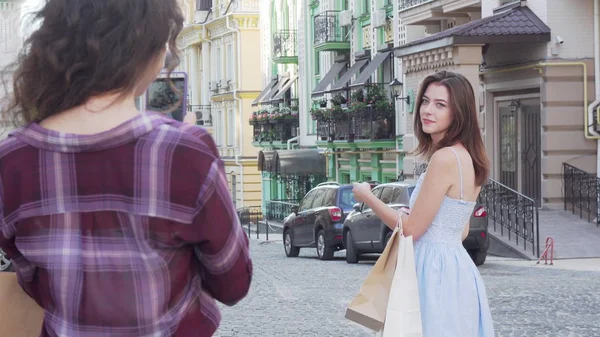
<point x="221" y="57"/>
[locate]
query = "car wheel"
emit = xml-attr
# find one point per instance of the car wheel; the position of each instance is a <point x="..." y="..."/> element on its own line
<point x="324" y="252"/>
<point x="351" y="252"/>
<point x="478" y="257"/>
<point x="5" y="262"/>
<point x="288" y="245"/>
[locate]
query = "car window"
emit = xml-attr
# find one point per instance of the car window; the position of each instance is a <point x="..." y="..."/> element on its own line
<point x="307" y="201"/>
<point x="377" y="192"/>
<point x="402" y="195"/>
<point x="347" y="200"/>
<point x="330" y="197"/>
<point x="320" y="198"/>
<point x="386" y="195"/>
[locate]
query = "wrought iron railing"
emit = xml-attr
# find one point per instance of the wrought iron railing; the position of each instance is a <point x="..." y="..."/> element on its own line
<point x="367" y="127"/>
<point x="203" y="114"/>
<point x="405" y="4"/>
<point x="275" y="130"/>
<point x="512" y="214"/>
<point x="284" y="43"/>
<point x="277" y="210"/>
<point x="327" y="28"/>
<point x="581" y="193"/>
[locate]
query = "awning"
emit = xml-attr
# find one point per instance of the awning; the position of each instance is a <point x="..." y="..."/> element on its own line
<point x="300" y="162"/>
<point x="266" y="160"/>
<point x="333" y="72"/>
<point x="284" y="89"/>
<point x="265" y="91"/>
<point x="339" y="85"/>
<point x="275" y="90"/>
<point x="366" y="74"/>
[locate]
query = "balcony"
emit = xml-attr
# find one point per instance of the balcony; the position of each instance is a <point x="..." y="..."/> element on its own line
<point x="369" y="117"/>
<point x="285" y="47"/>
<point x="328" y="34"/>
<point x="274" y="125"/>
<point x="203" y="114"/>
<point x="433" y="12"/>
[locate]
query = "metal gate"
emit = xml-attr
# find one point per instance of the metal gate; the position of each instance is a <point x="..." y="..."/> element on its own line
<point x="520" y="146"/>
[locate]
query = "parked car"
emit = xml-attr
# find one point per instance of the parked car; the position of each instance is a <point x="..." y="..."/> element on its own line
<point x="318" y="220"/>
<point x="364" y="232"/>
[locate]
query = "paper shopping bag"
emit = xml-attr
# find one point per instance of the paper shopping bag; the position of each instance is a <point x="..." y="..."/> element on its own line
<point x="20" y="316"/>
<point x="369" y="307"/>
<point x="403" y="316"/>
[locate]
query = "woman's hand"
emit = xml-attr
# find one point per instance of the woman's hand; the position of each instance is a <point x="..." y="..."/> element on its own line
<point x="361" y="191"/>
<point x="190" y="118"/>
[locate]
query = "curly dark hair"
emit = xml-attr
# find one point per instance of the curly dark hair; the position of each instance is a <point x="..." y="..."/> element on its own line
<point x="84" y="48"/>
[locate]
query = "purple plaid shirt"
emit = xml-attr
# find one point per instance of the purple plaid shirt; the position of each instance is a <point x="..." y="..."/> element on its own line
<point x="130" y="232"/>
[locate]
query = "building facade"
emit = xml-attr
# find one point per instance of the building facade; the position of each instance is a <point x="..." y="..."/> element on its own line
<point x="11" y="41"/>
<point x="220" y="42"/>
<point x="531" y="64"/>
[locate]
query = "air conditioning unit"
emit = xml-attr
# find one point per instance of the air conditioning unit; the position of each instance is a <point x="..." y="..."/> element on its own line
<point x="224" y="83"/>
<point x="346" y="18"/>
<point x="379" y="18"/>
<point x="214" y="86"/>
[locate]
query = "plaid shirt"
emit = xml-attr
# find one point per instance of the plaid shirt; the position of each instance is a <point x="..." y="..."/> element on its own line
<point x="130" y="232"/>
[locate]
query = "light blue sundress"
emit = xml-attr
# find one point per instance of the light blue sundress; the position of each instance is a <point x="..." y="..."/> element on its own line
<point x="453" y="298"/>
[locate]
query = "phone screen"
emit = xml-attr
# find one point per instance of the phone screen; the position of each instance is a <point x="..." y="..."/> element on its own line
<point x="160" y="96"/>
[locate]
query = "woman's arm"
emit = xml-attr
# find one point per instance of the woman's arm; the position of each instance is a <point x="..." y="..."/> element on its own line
<point x="440" y="171"/>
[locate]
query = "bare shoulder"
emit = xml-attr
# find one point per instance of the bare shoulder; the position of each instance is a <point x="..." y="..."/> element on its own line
<point x="443" y="159"/>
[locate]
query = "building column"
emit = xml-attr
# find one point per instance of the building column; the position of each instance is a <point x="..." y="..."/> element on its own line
<point x="194" y="76"/>
<point x="376" y="174"/>
<point x="205" y="92"/>
<point x="332" y="164"/>
<point x="354" y="168"/>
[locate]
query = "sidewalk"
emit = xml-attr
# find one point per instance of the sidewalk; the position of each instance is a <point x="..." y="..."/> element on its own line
<point x="581" y="264"/>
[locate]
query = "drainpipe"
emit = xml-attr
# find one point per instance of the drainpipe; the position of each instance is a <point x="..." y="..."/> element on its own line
<point x="295" y="139"/>
<point x="239" y="102"/>
<point x="596" y="102"/>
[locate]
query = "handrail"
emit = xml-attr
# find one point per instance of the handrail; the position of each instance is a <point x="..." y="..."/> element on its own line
<point x="582" y="192"/>
<point x="513" y="212"/>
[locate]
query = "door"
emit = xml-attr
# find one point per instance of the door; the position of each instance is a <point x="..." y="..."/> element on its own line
<point x="520" y="146"/>
<point x="300" y="237"/>
<point x="363" y="227"/>
<point x="316" y="210"/>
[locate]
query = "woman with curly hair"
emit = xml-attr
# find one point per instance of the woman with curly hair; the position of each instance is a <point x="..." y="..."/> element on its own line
<point x="118" y="222"/>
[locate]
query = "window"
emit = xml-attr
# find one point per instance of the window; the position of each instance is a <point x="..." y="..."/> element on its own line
<point x="234" y="188"/>
<point x="377" y="193"/>
<point x="386" y="195"/>
<point x="220" y="128"/>
<point x="230" y="63"/>
<point x="307" y="201"/>
<point x="230" y="128"/>
<point x="347" y="200"/>
<point x="320" y="198"/>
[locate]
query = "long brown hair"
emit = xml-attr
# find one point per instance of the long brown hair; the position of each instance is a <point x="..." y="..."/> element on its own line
<point x="85" y="48"/>
<point x="464" y="128"/>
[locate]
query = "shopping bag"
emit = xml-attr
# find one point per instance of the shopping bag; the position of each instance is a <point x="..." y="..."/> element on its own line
<point x="20" y="316"/>
<point x="369" y="307"/>
<point x="403" y="316"/>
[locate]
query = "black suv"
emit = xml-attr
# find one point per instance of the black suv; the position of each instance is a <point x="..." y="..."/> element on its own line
<point x="364" y="232"/>
<point x="318" y="220"/>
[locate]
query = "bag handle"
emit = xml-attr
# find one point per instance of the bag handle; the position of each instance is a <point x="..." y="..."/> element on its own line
<point x="399" y="225"/>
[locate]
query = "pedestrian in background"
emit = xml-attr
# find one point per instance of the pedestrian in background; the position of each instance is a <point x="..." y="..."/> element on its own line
<point x="452" y="295"/>
<point x="118" y="222"/>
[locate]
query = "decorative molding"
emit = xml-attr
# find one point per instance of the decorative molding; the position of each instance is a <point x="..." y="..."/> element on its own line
<point x="428" y="60"/>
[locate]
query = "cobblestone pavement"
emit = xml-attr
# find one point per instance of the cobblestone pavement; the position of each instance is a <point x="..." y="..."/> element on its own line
<point x="307" y="297"/>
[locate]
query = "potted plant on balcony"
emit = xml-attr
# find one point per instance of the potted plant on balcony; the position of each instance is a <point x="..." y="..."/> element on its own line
<point x="338" y="100"/>
<point x="254" y="118"/>
<point x="263" y="116"/>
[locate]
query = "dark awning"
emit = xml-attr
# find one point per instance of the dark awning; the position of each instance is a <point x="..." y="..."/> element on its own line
<point x="265" y="91"/>
<point x="516" y="25"/>
<point x="266" y="160"/>
<point x="300" y="162"/>
<point x="333" y="72"/>
<point x="366" y="74"/>
<point x="339" y="85"/>
<point x="284" y="89"/>
<point x="275" y="90"/>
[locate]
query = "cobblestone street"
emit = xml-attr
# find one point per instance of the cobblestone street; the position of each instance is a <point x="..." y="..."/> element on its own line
<point x="306" y="297"/>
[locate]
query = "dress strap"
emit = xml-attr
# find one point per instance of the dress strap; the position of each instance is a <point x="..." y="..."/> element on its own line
<point x="460" y="173"/>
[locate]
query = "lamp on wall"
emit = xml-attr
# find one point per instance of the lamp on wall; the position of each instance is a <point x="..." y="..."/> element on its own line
<point x="396" y="90"/>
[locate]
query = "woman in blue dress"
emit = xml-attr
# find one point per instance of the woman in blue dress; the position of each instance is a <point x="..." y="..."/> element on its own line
<point x="452" y="294"/>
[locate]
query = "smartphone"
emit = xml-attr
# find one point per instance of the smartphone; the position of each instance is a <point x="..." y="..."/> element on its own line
<point x="161" y="97"/>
